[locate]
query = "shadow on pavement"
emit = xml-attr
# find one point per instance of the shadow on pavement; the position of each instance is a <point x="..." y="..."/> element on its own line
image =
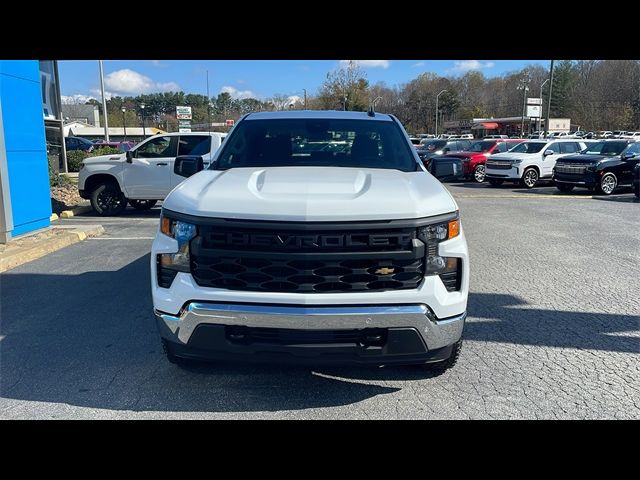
<point x="90" y="340"/>
<point x="128" y="213"/>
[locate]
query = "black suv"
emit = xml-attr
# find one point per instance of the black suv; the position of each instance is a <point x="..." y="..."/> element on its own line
<point x="603" y="166"/>
<point x="433" y="148"/>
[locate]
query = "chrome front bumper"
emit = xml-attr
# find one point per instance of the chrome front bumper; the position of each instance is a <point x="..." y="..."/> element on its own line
<point x="436" y="333"/>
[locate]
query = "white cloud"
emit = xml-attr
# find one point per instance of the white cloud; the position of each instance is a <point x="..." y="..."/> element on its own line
<point x="238" y="94"/>
<point x="466" y="65"/>
<point x="419" y="64"/>
<point x="78" y="98"/>
<point x="368" y="63"/>
<point x="130" y="82"/>
<point x="98" y="95"/>
<point x="158" y="63"/>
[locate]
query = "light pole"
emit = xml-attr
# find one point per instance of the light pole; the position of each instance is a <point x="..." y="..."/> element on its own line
<point x="104" y="104"/>
<point x="546" y="123"/>
<point x="124" y="124"/>
<point x="305" y="98"/>
<point x="344" y="105"/>
<point x="375" y="101"/>
<point x="540" y="117"/>
<point x="144" y="132"/>
<point x="437" y="97"/>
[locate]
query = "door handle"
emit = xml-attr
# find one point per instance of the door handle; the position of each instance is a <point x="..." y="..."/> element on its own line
<point x="161" y="164"/>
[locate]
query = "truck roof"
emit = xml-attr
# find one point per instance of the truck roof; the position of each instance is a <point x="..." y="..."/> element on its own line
<point x="319" y="114"/>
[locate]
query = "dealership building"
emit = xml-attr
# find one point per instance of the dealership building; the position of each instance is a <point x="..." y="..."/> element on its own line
<point x="30" y="136"/>
<point x="511" y="126"/>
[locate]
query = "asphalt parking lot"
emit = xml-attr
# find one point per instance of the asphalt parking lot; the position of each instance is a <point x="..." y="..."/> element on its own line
<point x="553" y="329"/>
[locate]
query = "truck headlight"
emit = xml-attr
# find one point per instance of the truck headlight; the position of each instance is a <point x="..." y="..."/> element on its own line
<point x="183" y="232"/>
<point x="432" y="235"/>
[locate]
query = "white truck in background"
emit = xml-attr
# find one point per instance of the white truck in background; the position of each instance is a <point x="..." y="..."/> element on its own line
<point x="144" y="174"/>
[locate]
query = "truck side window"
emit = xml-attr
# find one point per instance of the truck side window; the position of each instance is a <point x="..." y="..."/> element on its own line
<point x="194" y="145"/>
<point x="158" y="147"/>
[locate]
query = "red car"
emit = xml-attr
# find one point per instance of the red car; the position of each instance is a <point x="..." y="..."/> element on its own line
<point x="474" y="158"/>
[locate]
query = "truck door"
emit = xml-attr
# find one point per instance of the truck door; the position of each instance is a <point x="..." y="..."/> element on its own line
<point x="148" y="176"/>
<point x="192" y="145"/>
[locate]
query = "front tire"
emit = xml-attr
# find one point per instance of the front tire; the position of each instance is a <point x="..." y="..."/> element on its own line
<point x="479" y="173"/>
<point x="608" y="184"/>
<point x="143" y="204"/>
<point x="495" y="182"/>
<point x="529" y="178"/>
<point x="563" y="187"/>
<point x="107" y="199"/>
<point x="443" y="365"/>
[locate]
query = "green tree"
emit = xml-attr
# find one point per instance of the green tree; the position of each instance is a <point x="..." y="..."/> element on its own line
<point x="345" y="88"/>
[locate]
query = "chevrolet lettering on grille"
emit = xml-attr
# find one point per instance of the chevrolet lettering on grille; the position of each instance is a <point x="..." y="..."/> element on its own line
<point x="284" y="240"/>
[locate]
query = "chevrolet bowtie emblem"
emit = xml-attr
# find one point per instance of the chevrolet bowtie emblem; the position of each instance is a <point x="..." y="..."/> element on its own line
<point x="385" y="270"/>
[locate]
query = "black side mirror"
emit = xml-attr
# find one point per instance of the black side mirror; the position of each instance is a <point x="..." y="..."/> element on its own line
<point x="129" y="156"/>
<point x="628" y="156"/>
<point x="187" y="165"/>
<point x="446" y="168"/>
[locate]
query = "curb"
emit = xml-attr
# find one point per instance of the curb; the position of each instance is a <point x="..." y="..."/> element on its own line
<point x="49" y="245"/>
<point x="75" y="211"/>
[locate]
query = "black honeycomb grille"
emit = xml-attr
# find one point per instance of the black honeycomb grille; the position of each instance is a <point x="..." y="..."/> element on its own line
<point x="306" y="276"/>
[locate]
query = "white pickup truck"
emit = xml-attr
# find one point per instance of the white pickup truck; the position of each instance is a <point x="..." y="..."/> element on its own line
<point x="144" y="174"/>
<point x="313" y="236"/>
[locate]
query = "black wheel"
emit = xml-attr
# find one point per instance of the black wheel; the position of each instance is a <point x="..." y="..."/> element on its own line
<point x="563" y="187"/>
<point x="608" y="184"/>
<point x="107" y="199"/>
<point x="495" y="182"/>
<point x="143" y="204"/>
<point x="529" y="178"/>
<point x="479" y="173"/>
<point x="443" y="365"/>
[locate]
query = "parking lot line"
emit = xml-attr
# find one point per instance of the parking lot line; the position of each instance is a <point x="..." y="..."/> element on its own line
<point x="525" y="196"/>
<point x="121" y="238"/>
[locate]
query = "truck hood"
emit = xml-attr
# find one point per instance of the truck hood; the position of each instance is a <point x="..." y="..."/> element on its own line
<point x="513" y="156"/>
<point x="104" y="159"/>
<point x="586" y="158"/>
<point x="463" y="154"/>
<point x="311" y="194"/>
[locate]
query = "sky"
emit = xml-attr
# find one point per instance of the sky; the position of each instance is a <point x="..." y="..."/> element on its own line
<point x="79" y="79"/>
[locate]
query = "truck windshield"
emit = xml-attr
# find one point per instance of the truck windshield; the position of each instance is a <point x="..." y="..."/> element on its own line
<point x="606" y="148"/>
<point x="528" y="147"/>
<point x="317" y="142"/>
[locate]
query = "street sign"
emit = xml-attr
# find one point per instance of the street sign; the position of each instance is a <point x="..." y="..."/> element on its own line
<point x="230" y="123"/>
<point x="183" y="113"/>
<point x="184" y="130"/>
<point x="533" y="111"/>
<point x="184" y="123"/>
<point x="534" y="101"/>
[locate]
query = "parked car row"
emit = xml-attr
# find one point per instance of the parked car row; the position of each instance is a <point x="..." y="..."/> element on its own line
<point x="599" y="165"/>
<point x="82" y="144"/>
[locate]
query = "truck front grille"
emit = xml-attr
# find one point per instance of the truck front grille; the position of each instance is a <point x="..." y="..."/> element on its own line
<point x="303" y="261"/>
<point x="306" y="276"/>
<point x="498" y="165"/>
<point x="572" y="168"/>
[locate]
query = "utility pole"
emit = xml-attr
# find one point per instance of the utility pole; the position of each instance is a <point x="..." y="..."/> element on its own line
<point x="437" y="97"/>
<point x="540" y="118"/>
<point x="208" y="106"/>
<point x="524" y="86"/>
<point x="104" y="104"/>
<point x="546" y="122"/>
<point x="124" y="123"/>
<point x="305" y="98"/>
